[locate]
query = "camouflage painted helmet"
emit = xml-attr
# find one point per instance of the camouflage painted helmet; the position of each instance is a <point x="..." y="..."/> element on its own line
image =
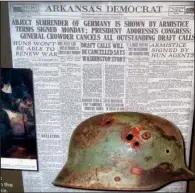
<point x="124" y="151"/>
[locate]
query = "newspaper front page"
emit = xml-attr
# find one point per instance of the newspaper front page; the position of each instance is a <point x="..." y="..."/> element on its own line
<point x="93" y="57"/>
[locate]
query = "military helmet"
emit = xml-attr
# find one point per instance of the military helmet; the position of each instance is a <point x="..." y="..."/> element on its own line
<point x="124" y="151"/>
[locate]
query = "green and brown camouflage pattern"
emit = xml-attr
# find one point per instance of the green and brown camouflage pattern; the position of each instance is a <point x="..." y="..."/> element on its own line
<point x="124" y="151"/>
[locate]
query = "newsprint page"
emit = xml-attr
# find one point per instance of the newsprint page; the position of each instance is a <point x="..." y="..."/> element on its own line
<point x="93" y="57"/>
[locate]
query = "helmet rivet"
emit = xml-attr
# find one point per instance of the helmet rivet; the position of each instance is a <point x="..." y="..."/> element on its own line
<point x="146" y="135"/>
<point x="108" y="122"/>
<point x="117" y="178"/>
